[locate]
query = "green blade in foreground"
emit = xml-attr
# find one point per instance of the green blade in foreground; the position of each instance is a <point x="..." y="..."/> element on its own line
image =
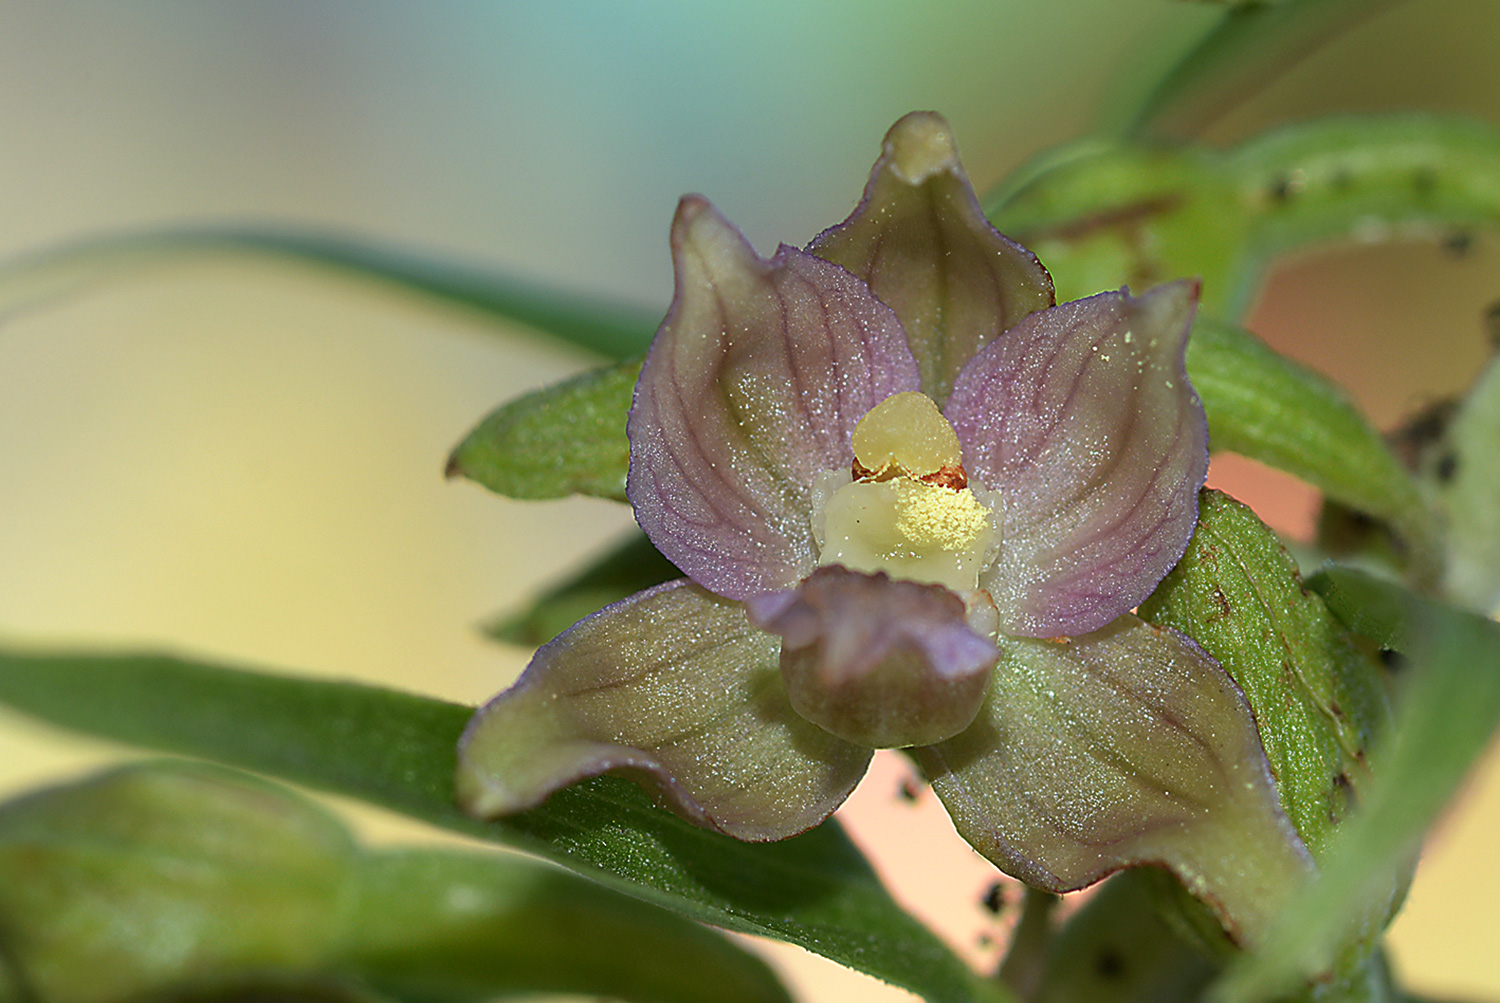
<point x="439" y="926"/>
<point x="610" y="329"/>
<point x="1254" y="44"/>
<point x="1269" y="408"/>
<point x="1448" y="709"/>
<point x="398" y="751"/>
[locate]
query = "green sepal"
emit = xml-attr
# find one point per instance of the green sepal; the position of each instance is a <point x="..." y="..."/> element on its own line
<point x="632" y="566"/>
<point x="1447" y="710"/>
<point x="612" y="329"/>
<point x="1318" y="699"/>
<point x="398" y="751"/>
<point x="566" y="439"/>
<point x="1265" y="406"/>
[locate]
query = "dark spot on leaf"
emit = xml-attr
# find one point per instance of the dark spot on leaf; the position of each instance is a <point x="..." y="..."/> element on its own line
<point x="1393" y="660"/>
<point x="1492" y="324"/>
<point x="1222" y="601"/>
<point x="1109" y="965"/>
<point x="1447" y="466"/>
<point x="994" y="899"/>
<point x="1459" y="243"/>
<point x="1342" y="180"/>
<point x="1280" y="188"/>
<point x="1335" y="709"/>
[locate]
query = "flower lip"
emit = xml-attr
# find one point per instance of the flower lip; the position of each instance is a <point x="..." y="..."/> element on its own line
<point x="877" y="661"/>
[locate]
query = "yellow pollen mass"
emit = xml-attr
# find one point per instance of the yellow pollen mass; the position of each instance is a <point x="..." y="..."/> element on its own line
<point x="907" y="431"/>
<point x="908" y="510"/>
<point x="930" y="516"/>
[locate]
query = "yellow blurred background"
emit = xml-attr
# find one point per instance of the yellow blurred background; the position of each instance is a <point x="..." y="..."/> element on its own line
<point x="243" y="461"/>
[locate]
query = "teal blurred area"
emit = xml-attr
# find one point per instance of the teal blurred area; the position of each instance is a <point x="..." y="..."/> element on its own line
<point x="244" y="461"/>
<point x="549" y="138"/>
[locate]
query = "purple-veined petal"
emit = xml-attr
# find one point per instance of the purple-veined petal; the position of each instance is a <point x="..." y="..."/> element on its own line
<point x="881" y="663"/>
<point x="1123" y="747"/>
<point x="1082" y="418"/>
<point x="751" y="389"/>
<point x="675" y="689"/>
<point x="920" y="240"/>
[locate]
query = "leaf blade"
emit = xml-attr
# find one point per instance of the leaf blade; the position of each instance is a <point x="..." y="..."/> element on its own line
<point x="443" y="926"/>
<point x="1250" y="47"/>
<point x="615" y="330"/>
<point x="1265" y="406"/>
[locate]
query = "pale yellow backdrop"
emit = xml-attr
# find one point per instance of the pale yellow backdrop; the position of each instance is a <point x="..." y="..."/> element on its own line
<point x="242" y="461"/>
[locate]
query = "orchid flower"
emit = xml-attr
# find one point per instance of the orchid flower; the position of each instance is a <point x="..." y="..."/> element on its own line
<point x="915" y="503"/>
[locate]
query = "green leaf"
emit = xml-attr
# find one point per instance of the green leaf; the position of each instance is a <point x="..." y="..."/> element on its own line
<point x="632" y="566"/>
<point x="1250" y="47"/>
<point x="31" y="281"/>
<point x="397" y="750"/>
<point x="1366" y="178"/>
<point x="565" y="439"/>
<point x="441" y="926"/>
<point x="1317" y="699"/>
<point x="1267" y="407"/>
<point x="1448" y="709"/>
<point x="1103" y="214"/>
<point x="264" y="894"/>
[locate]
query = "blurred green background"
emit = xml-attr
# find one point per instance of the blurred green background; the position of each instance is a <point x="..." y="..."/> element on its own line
<point x="242" y="460"/>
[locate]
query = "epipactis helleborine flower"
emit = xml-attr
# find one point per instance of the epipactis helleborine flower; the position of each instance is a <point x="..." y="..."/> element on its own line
<point x="915" y="502"/>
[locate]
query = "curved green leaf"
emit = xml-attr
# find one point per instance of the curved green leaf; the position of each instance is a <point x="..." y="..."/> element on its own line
<point x="568" y="438"/>
<point x="1251" y="46"/>
<point x="1366" y="178"/>
<point x="1106" y="214"/>
<point x="611" y="329"/>
<point x="1448" y="709"/>
<point x="1267" y="407"/>
<point x="398" y="750"/>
